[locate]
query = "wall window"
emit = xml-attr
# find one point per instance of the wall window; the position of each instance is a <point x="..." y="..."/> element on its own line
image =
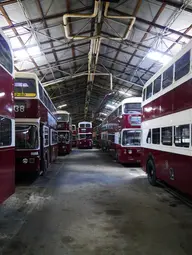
<point x="5" y="55"/>
<point x="167" y="77"/>
<point x="46" y="136"/>
<point x="157" y="85"/>
<point x="149" y="91"/>
<point x="181" y="136"/>
<point x="156" y="136"/>
<point x="54" y="137"/>
<point x="5" y="132"/>
<point x="166" y="136"/>
<point x="182" y="66"/>
<point x="148" y="140"/>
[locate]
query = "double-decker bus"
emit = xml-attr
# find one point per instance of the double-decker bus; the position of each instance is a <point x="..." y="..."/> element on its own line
<point x="36" y="134"/>
<point x="167" y="123"/>
<point x="74" y="135"/>
<point x="97" y="136"/>
<point x="7" y="123"/>
<point x="64" y="127"/>
<point x="121" y="131"/>
<point x="84" y="139"/>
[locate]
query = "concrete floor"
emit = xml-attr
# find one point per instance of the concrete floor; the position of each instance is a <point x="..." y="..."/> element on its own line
<point x="89" y="204"/>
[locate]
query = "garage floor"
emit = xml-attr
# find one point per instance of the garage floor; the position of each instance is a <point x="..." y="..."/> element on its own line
<point x="89" y="204"/>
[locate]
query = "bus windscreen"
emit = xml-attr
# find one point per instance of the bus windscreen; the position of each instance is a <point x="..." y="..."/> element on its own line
<point x="24" y="87"/>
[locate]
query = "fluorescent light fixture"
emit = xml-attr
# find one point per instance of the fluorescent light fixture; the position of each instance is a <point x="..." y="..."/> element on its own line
<point x="124" y="93"/>
<point x="110" y="106"/>
<point x="157" y="56"/>
<point x="61" y="106"/>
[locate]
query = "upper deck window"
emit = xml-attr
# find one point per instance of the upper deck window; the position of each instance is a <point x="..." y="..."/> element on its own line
<point x="120" y="110"/>
<point x="132" y="107"/>
<point x="25" y="87"/>
<point x="182" y="66"/>
<point x="157" y="85"/>
<point x="167" y="77"/>
<point x="62" y="117"/>
<point x="88" y="125"/>
<point x="5" y="55"/>
<point x="144" y="95"/>
<point x="149" y="91"/>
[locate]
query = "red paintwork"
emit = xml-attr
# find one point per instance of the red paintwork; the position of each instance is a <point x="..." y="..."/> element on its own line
<point x="34" y="108"/>
<point x="7" y="172"/>
<point x="29" y="167"/>
<point x="53" y="152"/>
<point x="117" y="124"/>
<point x="85" y="144"/>
<point x="64" y="148"/>
<point x="7" y="155"/>
<point x="175" y="100"/>
<point x="180" y="163"/>
<point x="125" y="158"/>
<point x="85" y="130"/>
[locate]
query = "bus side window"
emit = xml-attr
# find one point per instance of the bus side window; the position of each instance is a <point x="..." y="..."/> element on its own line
<point x="167" y="77"/>
<point x="156" y="136"/>
<point x="144" y="95"/>
<point x="149" y="137"/>
<point x="149" y="91"/>
<point x="181" y="136"/>
<point x="166" y="136"/>
<point x="120" y="110"/>
<point x="182" y="66"/>
<point x="157" y="85"/>
<point x="5" y="132"/>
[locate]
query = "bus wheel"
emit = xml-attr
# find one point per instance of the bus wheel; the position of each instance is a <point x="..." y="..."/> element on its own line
<point x="151" y="172"/>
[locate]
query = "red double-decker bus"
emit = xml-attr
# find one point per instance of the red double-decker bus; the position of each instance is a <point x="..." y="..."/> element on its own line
<point x="64" y="127"/>
<point x="74" y="135"/>
<point x="36" y="134"/>
<point x="121" y="131"/>
<point x="7" y="123"/>
<point x="167" y="123"/>
<point x="85" y="139"/>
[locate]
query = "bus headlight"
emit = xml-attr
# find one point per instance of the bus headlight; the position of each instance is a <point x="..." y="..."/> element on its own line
<point x="130" y="151"/>
<point x="25" y="161"/>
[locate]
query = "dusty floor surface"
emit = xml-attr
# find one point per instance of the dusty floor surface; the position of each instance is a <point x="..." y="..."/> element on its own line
<point x="88" y="204"/>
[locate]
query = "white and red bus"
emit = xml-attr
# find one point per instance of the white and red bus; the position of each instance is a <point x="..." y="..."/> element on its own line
<point x="64" y="127"/>
<point x="74" y="135"/>
<point x="36" y="134"/>
<point x="121" y="131"/>
<point x="85" y="139"/>
<point x="7" y="123"/>
<point x="167" y="123"/>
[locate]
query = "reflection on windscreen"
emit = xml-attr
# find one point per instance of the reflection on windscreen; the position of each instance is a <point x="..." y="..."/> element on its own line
<point x="85" y="125"/>
<point x="132" y="107"/>
<point x="26" y="137"/>
<point x="131" y="138"/>
<point x="63" y="136"/>
<point x="63" y="117"/>
<point x="24" y="87"/>
<point x="85" y="136"/>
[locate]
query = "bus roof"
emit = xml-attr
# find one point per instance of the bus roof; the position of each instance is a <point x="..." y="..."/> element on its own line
<point x="185" y="49"/>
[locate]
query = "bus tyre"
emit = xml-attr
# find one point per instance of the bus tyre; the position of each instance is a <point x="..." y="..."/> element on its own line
<point x="151" y="172"/>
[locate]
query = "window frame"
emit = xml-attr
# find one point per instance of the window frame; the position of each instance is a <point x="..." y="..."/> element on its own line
<point x="10" y="131"/>
<point x="152" y="136"/>
<point x="172" y="66"/>
<point x="176" y="145"/>
<point x="44" y="135"/>
<point x="189" y="63"/>
<point x="52" y="135"/>
<point x="167" y="144"/>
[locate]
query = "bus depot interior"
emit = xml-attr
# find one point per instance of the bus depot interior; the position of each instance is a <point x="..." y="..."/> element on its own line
<point x="95" y="127"/>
